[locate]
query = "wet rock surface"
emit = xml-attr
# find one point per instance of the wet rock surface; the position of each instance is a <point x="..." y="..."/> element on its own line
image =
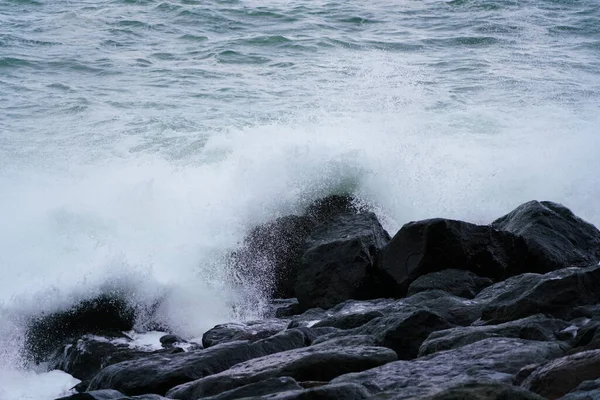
<point x="446" y="310"/>
<point x="458" y="282"/>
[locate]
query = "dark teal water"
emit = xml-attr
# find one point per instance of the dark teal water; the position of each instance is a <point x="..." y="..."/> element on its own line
<point x="139" y="140"/>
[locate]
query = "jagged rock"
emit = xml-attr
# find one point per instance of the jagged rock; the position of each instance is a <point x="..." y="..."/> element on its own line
<point x="109" y="394"/>
<point x="270" y="255"/>
<point x="554" y="293"/>
<point x="262" y="388"/>
<point x="495" y="359"/>
<point x="555" y="237"/>
<point x="458" y="282"/>
<point x="345" y="391"/>
<point x="321" y="362"/>
<point x="560" y="376"/>
<point x="484" y="391"/>
<point x="86" y="356"/>
<point x="453" y="309"/>
<point x="423" y="247"/>
<point x="252" y="330"/>
<point x="339" y="262"/>
<point x="537" y="327"/>
<point x="284" y="308"/>
<point x="105" y="313"/>
<point x="158" y="374"/>
<point x="588" y="390"/>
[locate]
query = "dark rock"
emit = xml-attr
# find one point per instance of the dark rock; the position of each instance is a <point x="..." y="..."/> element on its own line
<point x="554" y="293"/>
<point x="282" y="308"/>
<point x="588" y="390"/>
<point x="339" y="262"/>
<point x="268" y="386"/>
<point x="494" y="359"/>
<point x="158" y="374"/>
<point x="321" y="362"/>
<point x="555" y="237"/>
<point x="169" y="341"/>
<point x="108" y="394"/>
<point x="587" y="311"/>
<point x="270" y="255"/>
<point x="423" y="247"/>
<point x="455" y="310"/>
<point x="588" y="337"/>
<point x="404" y="332"/>
<point x="484" y="391"/>
<point x="252" y="330"/>
<point x="537" y="327"/>
<point x="345" y="391"/>
<point x="105" y="313"/>
<point x="458" y="282"/>
<point x="86" y="356"/>
<point x="560" y="376"/>
<point x="349" y="321"/>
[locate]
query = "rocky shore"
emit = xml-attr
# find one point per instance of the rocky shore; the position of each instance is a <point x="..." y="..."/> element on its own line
<point x="442" y="310"/>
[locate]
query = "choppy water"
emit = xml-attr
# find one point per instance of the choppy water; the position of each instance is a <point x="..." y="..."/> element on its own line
<point x="139" y="140"/>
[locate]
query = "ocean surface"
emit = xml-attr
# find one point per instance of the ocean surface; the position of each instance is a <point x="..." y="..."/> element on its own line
<point x="141" y="139"/>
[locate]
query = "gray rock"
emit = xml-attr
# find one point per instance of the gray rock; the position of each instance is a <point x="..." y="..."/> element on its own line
<point x="555" y="293"/>
<point x="345" y="391"/>
<point x="158" y="374"/>
<point x="494" y="359"/>
<point x="458" y="282"/>
<point x="537" y="327"/>
<point x="588" y="390"/>
<point x="339" y="262"/>
<point x="555" y="237"/>
<point x="484" y="391"/>
<point x="321" y="362"/>
<point x="268" y="386"/>
<point x="252" y="331"/>
<point x="109" y="394"/>
<point x="560" y="376"/>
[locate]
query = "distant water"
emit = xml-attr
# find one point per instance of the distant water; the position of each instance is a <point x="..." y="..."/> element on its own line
<point x="140" y="139"/>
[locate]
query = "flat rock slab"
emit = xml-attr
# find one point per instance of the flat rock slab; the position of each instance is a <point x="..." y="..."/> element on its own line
<point x="253" y="331"/>
<point x="555" y="293"/>
<point x="262" y="388"/>
<point x="494" y="359"/>
<point x="345" y="391"/>
<point x="321" y="362"/>
<point x="159" y="373"/>
<point x="484" y="391"/>
<point x="537" y="327"/>
<point x="109" y="394"/>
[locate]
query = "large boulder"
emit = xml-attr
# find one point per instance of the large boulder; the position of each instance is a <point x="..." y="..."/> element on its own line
<point x="270" y="254"/>
<point x="555" y="237"/>
<point x="321" y="362"/>
<point x="159" y="373"/>
<point x="432" y="245"/>
<point x="560" y="376"/>
<point x="555" y="293"/>
<point x="458" y="282"/>
<point x="339" y="262"/>
<point x="105" y="313"/>
<point x="537" y="327"/>
<point x="494" y="359"/>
